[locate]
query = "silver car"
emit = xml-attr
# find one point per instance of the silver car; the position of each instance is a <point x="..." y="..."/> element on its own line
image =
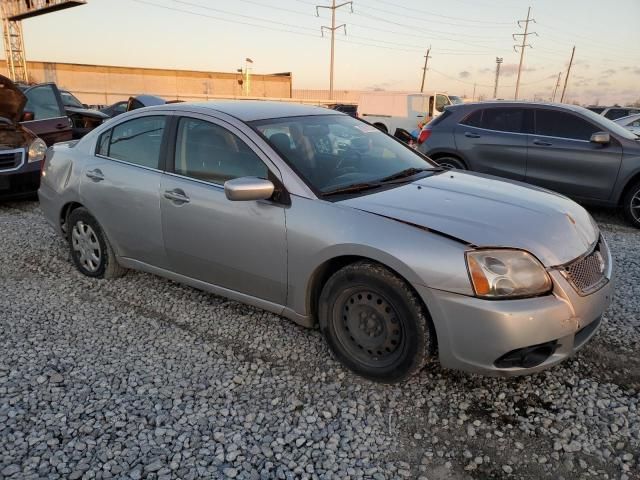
<point x="323" y="219"/>
<point x="631" y="123"/>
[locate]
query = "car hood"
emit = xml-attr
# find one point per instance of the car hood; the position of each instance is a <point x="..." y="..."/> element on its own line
<point x="12" y="100"/>
<point x="489" y="212"/>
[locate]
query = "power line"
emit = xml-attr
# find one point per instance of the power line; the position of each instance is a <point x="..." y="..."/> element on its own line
<point x="403" y="7"/>
<point x="333" y="29"/>
<point x="524" y="44"/>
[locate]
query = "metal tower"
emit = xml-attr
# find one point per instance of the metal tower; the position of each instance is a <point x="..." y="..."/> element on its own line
<point x="13" y="12"/>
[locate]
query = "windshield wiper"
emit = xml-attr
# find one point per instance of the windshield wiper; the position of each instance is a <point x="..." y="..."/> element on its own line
<point x="356" y="187"/>
<point x="409" y="172"/>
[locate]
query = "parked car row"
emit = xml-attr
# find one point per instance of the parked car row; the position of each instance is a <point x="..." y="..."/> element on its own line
<point x="322" y="218"/>
<point x="613" y="113"/>
<point x="564" y="148"/>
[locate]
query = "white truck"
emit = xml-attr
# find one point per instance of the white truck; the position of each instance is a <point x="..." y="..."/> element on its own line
<point x="395" y="113"/>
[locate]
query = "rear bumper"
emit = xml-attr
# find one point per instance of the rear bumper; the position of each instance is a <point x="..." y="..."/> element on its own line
<point x="473" y="334"/>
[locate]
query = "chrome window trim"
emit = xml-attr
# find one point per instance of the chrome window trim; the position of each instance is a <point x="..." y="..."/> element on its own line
<point x="529" y="134"/>
<point x="23" y="151"/>
<point x="128" y="163"/>
<point x="197" y="180"/>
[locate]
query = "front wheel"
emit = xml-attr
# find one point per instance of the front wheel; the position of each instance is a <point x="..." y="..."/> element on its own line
<point x="451" y="162"/>
<point x="374" y="323"/>
<point x="631" y="205"/>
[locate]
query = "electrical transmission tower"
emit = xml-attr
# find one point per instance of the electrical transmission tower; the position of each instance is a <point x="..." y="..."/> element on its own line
<point x="332" y="29"/>
<point x="524" y="44"/>
<point x="424" y="69"/>
<point x="495" y="88"/>
<point x="13" y="12"/>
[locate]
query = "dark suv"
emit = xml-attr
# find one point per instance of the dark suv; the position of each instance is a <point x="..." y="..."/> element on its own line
<point x="564" y="148"/>
<point x="30" y="120"/>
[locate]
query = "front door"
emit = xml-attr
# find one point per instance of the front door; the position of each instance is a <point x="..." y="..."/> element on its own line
<point x="237" y="245"/>
<point x="50" y="122"/>
<point x="562" y="158"/>
<point x="121" y="188"/>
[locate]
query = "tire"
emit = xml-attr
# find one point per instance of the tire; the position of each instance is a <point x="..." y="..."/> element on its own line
<point x="90" y="249"/>
<point x="451" y="162"/>
<point x="382" y="127"/>
<point x="631" y="205"/>
<point x="397" y="337"/>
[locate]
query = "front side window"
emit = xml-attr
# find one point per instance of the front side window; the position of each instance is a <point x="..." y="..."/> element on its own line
<point x="503" y="119"/>
<point x="43" y="102"/>
<point x="137" y="141"/>
<point x="209" y="152"/>
<point x="332" y="152"/>
<point x="552" y="123"/>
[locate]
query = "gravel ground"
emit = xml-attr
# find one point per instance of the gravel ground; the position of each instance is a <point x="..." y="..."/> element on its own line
<point x="143" y="378"/>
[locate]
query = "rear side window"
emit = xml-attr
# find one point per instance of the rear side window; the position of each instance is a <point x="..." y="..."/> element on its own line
<point x="503" y="119"/>
<point x="137" y="141"/>
<point x="473" y="120"/>
<point x="615" y="113"/>
<point x="552" y="123"/>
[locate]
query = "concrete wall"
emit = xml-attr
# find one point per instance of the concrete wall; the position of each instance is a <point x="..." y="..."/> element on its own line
<point x="98" y="84"/>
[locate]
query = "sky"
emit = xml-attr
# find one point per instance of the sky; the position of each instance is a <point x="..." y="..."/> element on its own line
<point x="383" y="48"/>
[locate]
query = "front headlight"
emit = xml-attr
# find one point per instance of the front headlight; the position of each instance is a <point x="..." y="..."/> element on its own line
<point x="37" y="150"/>
<point x="504" y="273"/>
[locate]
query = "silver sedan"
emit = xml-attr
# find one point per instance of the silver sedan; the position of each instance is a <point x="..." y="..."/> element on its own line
<point x="323" y="219"/>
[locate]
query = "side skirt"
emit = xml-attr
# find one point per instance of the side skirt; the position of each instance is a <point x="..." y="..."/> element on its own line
<point x="287" y="312"/>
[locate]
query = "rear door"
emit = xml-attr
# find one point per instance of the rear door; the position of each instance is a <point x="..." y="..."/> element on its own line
<point x="562" y="158"/>
<point x="494" y="141"/>
<point x="50" y="122"/>
<point x="240" y="246"/>
<point x="121" y="187"/>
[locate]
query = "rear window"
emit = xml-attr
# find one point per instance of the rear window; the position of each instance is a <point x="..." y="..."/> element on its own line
<point x="435" y="121"/>
<point x="499" y="119"/>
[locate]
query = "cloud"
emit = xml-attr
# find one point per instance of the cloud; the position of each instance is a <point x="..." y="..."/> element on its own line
<point x="603" y="83"/>
<point x="508" y="69"/>
<point x="464" y="74"/>
<point x="609" y="72"/>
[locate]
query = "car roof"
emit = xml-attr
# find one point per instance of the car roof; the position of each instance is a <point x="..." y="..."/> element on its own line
<point x="516" y="103"/>
<point x="250" y="110"/>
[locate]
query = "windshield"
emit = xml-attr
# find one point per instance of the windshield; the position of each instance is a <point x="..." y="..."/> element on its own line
<point x="609" y="125"/>
<point x="70" y="101"/>
<point x="336" y="151"/>
<point x="455" y="100"/>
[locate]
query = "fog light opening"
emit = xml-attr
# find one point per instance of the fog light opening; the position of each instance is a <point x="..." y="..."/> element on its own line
<point x="527" y="357"/>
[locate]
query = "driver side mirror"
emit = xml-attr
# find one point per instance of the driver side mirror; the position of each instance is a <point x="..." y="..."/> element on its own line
<point x="601" y="138"/>
<point x="248" y="188"/>
<point x="27" y="116"/>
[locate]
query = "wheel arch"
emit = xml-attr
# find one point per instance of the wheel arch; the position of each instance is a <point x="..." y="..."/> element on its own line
<point x="325" y="270"/>
<point x="446" y="153"/>
<point x="66" y="210"/>
<point x="633" y="180"/>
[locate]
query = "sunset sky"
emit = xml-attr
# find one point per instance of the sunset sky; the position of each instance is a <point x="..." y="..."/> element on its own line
<point x="384" y="46"/>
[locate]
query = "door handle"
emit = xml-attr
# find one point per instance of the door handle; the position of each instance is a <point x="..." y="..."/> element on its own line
<point x="95" y="175"/>
<point x="177" y="196"/>
<point x="60" y="126"/>
<point x="471" y="135"/>
<point x="542" y="143"/>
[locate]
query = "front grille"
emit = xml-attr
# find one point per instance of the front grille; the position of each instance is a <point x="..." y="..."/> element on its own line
<point x="589" y="273"/>
<point x="11" y="159"/>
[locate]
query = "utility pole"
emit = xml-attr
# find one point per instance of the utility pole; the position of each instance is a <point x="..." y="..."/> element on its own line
<point x="555" y="90"/>
<point x="333" y="29"/>
<point x="566" y="78"/>
<point x="495" y="88"/>
<point x="424" y="69"/>
<point x="524" y="44"/>
<point x="473" y="97"/>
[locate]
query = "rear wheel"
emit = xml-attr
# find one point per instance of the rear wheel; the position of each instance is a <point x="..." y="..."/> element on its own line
<point x="631" y="205"/>
<point x="374" y="323"/>
<point x="451" y="162"/>
<point x="90" y="249"/>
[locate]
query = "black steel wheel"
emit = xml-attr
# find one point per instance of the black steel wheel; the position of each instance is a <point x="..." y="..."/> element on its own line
<point x="374" y="323"/>
<point x="451" y="162"/>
